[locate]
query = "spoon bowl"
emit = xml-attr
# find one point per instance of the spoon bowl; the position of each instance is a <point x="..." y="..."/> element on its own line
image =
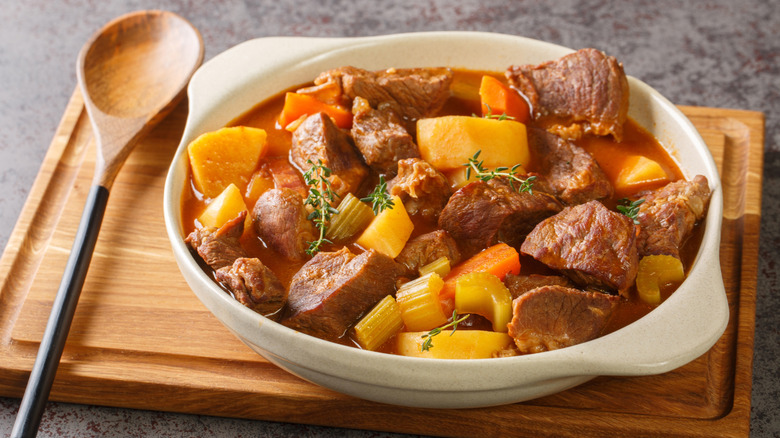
<point x="132" y="73"/>
<point x="137" y="63"/>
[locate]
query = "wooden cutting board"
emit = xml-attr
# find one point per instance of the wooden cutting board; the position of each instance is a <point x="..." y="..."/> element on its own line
<point x="141" y="339"/>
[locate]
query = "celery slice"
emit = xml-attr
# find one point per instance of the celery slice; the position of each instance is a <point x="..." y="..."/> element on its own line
<point x="419" y="303"/>
<point x="379" y="325"/>
<point x="440" y="266"/>
<point x="352" y="218"/>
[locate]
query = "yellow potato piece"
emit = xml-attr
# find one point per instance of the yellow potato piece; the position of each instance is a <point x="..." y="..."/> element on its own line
<point x="389" y="231"/>
<point x="448" y="142"/>
<point x="638" y="171"/>
<point x="224" y="207"/>
<point x="226" y="156"/>
<point x="463" y="344"/>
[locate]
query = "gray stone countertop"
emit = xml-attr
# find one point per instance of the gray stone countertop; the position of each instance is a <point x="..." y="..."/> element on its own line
<point x="723" y="53"/>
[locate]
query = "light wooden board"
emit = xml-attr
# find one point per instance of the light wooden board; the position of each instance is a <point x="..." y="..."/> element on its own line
<point x="141" y="339"/>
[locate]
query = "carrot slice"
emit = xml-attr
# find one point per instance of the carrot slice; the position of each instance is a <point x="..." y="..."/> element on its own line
<point x="499" y="260"/>
<point x="298" y="105"/>
<point x="498" y="99"/>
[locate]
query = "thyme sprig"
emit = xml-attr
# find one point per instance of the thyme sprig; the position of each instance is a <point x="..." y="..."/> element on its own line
<point x="476" y="165"/>
<point x="379" y="198"/>
<point x="320" y="198"/>
<point x="630" y="209"/>
<point x="490" y="115"/>
<point x="428" y="343"/>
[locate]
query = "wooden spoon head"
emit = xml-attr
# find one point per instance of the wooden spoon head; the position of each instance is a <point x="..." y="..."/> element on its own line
<point x="132" y="73"/>
<point x="137" y="64"/>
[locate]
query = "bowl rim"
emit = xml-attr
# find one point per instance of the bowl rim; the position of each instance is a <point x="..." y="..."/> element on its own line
<point x="282" y="344"/>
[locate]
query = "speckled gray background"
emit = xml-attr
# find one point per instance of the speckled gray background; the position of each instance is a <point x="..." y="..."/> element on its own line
<point x="722" y="53"/>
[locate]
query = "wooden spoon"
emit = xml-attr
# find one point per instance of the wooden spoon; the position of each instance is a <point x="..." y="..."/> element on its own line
<point x="132" y="73"/>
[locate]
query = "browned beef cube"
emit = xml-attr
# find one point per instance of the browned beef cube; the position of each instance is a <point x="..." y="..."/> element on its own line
<point x="334" y="289"/>
<point x="482" y="214"/>
<point x="520" y="284"/>
<point x="553" y="317"/>
<point x="219" y="247"/>
<point x="381" y="137"/>
<point x="568" y="170"/>
<point x="422" y="189"/>
<point x="319" y="139"/>
<point x="280" y="219"/>
<point x="412" y="93"/>
<point x="283" y="174"/>
<point x="588" y="243"/>
<point x="583" y="92"/>
<point x="668" y="215"/>
<point x="427" y="248"/>
<point x="253" y="285"/>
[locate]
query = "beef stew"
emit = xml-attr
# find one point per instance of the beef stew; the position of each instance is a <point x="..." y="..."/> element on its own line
<point x="499" y="217"/>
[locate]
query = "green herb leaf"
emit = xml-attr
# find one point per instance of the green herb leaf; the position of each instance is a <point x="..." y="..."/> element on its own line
<point x="630" y="209"/>
<point x="320" y="198"/>
<point x="428" y="343"/>
<point x="379" y="198"/>
<point x="476" y="166"/>
<point x="498" y="117"/>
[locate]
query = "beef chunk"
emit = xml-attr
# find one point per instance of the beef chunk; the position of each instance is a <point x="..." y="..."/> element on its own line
<point x="283" y="174"/>
<point x="483" y="213"/>
<point x="381" y="137"/>
<point x="280" y="219"/>
<point x="411" y="93"/>
<point x="590" y="244"/>
<point x="319" y="139"/>
<point x="668" y="215"/>
<point x="425" y="249"/>
<point x="583" y="92"/>
<point x="568" y="170"/>
<point x="334" y="289"/>
<point x="423" y="189"/>
<point x="253" y="285"/>
<point x="520" y="284"/>
<point x="219" y="247"/>
<point x="553" y="317"/>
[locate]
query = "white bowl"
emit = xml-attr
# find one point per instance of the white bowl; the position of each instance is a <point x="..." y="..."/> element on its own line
<point x="677" y="332"/>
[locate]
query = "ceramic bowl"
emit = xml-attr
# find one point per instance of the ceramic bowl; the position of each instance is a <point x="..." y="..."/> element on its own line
<point x="681" y="329"/>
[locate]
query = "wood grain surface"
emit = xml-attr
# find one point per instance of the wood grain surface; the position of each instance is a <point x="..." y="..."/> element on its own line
<point x="141" y="339"/>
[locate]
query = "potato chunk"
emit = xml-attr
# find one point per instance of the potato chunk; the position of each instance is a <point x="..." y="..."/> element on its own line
<point x="448" y="142"/>
<point x="463" y="344"/>
<point x="638" y="173"/>
<point x="226" y="156"/>
<point x="389" y="231"/>
<point x="224" y="207"/>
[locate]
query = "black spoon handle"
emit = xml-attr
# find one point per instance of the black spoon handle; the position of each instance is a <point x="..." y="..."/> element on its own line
<point x="42" y="375"/>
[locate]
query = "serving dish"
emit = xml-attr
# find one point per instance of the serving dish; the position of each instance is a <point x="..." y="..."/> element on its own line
<point x="678" y="331"/>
